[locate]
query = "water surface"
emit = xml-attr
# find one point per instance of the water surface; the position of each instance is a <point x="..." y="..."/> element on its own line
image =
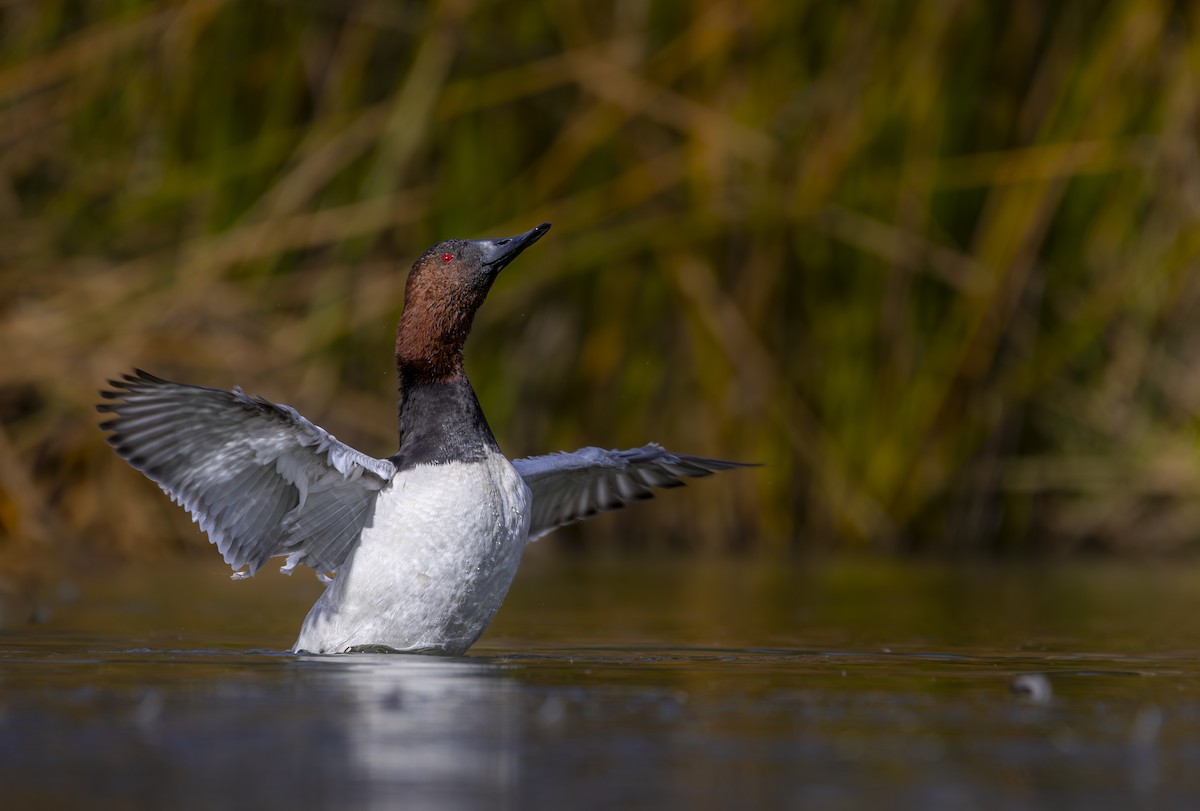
<point x="642" y="683"/>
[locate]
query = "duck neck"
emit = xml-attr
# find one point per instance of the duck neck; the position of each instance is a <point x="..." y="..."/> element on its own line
<point x="429" y="344"/>
<point x="440" y="420"/>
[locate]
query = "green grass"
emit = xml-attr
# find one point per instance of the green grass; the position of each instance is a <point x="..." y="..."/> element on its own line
<point x="934" y="266"/>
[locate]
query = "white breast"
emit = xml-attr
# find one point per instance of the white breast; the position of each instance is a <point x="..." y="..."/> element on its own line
<point x="433" y="564"/>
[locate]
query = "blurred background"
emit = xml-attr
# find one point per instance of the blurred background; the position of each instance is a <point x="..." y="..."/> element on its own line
<point x="933" y="264"/>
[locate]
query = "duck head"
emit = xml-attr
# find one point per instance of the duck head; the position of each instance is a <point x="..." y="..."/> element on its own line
<point x="445" y="288"/>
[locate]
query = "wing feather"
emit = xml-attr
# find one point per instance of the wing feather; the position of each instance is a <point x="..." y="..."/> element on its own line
<point x="567" y="487"/>
<point x="258" y="478"/>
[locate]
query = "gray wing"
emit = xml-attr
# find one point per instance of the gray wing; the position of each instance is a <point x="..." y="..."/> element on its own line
<point x="569" y="486"/>
<point x="256" y="476"/>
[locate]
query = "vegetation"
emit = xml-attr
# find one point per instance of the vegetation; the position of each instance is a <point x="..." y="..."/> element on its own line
<point x="932" y="263"/>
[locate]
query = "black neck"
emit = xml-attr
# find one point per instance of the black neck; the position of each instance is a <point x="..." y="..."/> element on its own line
<point x="441" y="422"/>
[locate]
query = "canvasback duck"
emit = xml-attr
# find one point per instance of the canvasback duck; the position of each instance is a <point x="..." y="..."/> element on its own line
<point x="417" y="550"/>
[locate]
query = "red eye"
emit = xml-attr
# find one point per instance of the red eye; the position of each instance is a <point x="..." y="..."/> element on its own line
<point x="447" y="257"/>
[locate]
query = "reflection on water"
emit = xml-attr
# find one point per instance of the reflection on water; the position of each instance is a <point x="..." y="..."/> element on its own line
<point x="425" y="725"/>
<point x="640" y="684"/>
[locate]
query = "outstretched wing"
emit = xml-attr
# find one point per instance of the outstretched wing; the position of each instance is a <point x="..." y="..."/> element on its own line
<point x="569" y="486"/>
<point x="256" y="476"/>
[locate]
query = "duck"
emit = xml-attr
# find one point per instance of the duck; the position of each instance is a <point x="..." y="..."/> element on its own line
<point x="417" y="551"/>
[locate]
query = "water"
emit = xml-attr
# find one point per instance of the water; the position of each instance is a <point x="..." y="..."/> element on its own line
<point x="623" y="684"/>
